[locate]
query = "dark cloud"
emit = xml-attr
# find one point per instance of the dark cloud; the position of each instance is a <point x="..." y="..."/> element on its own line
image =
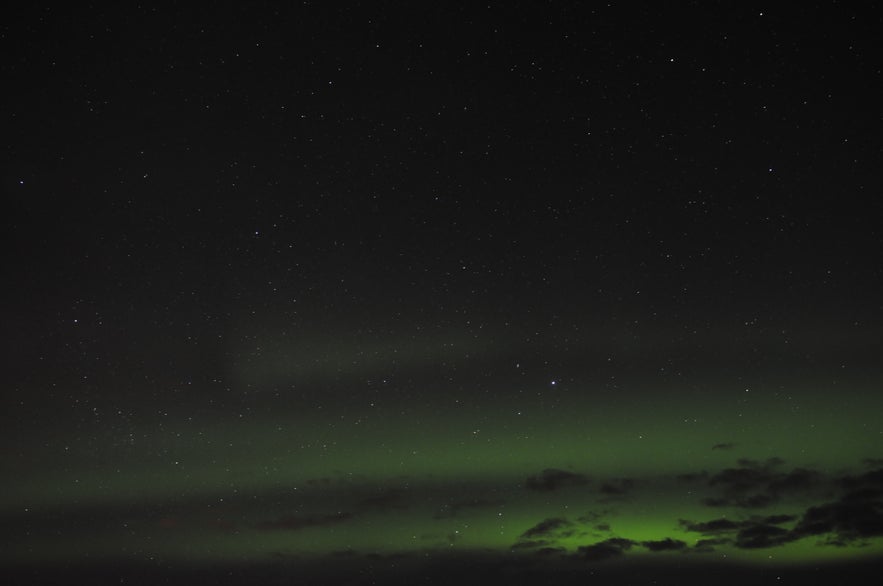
<point x="747" y="476"/>
<point x="692" y="476"/>
<point x="605" y="550"/>
<point x="778" y="519"/>
<point x="531" y="543"/>
<point x="754" y="501"/>
<point x="719" y="526"/>
<point x="545" y="533"/>
<point x="762" y="536"/>
<point x="552" y="479"/>
<point x="603" y="526"/>
<point x="798" y="480"/>
<point x="708" y="545"/>
<point x="856" y="516"/>
<point x="667" y="544"/>
<point x="617" y="488"/>
<point x="723" y="446"/>
<point x="546" y="528"/>
<point x="847" y="520"/>
<point x="549" y="551"/>
<point x="713" y="527"/>
<point x="753" y="533"/>
<point x="593" y="516"/>
<point x="867" y="485"/>
<point x="773" y="462"/>
<point x="755" y="485"/>
<point x="297" y="522"/>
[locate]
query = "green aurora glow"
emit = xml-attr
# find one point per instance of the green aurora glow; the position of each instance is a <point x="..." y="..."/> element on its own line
<point x="442" y="292"/>
<point x="392" y="480"/>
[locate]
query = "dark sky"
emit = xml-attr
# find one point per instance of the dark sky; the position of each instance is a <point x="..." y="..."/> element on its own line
<point x="527" y="284"/>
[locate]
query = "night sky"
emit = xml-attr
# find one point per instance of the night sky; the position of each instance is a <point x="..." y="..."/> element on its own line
<point x="442" y="292"/>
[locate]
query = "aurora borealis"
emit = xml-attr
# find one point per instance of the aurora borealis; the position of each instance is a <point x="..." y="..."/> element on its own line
<point x="452" y="294"/>
<point x="396" y="479"/>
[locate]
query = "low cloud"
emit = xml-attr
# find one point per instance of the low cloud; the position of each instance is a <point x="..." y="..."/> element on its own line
<point x="755" y="485"/>
<point x="617" y="489"/>
<point x="545" y="533"/>
<point x="762" y="536"/>
<point x="708" y="545"/>
<point x="546" y="528"/>
<point x="718" y="526"/>
<point x="667" y="544"/>
<point x="605" y="550"/>
<point x="593" y="516"/>
<point x="754" y="533"/>
<point x="692" y="476"/>
<point x="712" y="527"/>
<point x="856" y="516"/>
<point x="531" y="544"/>
<point x="848" y="521"/>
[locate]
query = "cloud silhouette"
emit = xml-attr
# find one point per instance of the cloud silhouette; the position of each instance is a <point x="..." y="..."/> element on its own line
<point x="531" y="543"/>
<point x="708" y="545"/>
<point x="713" y="527"/>
<point x="605" y="550"/>
<point x="721" y="526"/>
<point x="546" y="528"/>
<point x="593" y="516"/>
<point x="754" y="533"/>
<point x="848" y="520"/>
<point x="749" y="475"/>
<point x="545" y="533"/>
<point x="762" y="536"/>
<point x="798" y="480"/>
<point x="754" y="501"/>
<point x="857" y="515"/>
<point x="692" y="476"/>
<point x="667" y="544"/>
<point x="549" y="551"/>
<point x="617" y="488"/>
<point x="755" y="485"/>
<point x="778" y="519"/>
<point x="866" y="486"/>
<point x="553" y="479"/>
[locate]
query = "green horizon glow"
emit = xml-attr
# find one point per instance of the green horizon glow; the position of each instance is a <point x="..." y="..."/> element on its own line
<point x="201" y="490"/>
